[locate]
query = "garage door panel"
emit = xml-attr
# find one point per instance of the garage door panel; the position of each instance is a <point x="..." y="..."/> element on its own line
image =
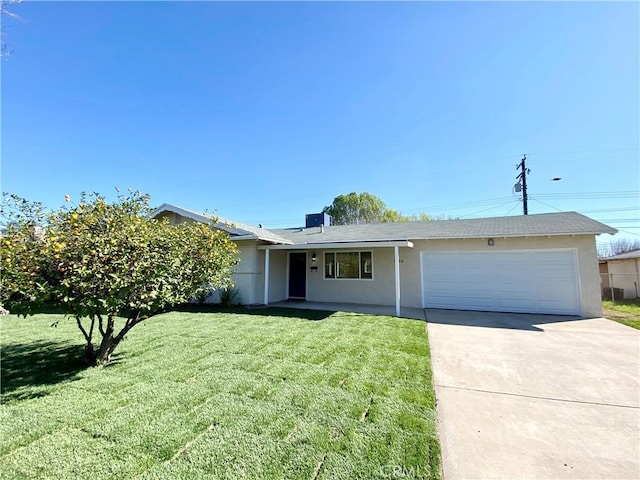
<point x="522" y="305"/>
<point x="536" y="282"/>
<point x="471" y="287"/>
<point x="510" y="291"/>
<point x="476" y="300"/>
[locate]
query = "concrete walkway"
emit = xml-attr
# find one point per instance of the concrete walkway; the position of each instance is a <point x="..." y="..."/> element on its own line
<point x="536" y="396"/>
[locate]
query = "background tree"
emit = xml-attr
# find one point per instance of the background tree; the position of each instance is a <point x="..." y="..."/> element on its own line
<point x="618" y="246"/>
<point x="110" y="265"/>
<point x="355" y="208"/>
<point x="391" y="215"/>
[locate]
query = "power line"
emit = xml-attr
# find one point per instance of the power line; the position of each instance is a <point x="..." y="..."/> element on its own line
<point x="499" y="202"/>
<point x="621" y="220"/>
<point x="472" y="166"/>
<point x="458" y="206"/>
<point x="627" y="231"/>
<point x="511" y="209"/>
<point x="487" y="209"/>
<point x="587" y="151"/>
<point x="587" y="195"/>
<point x="492" y="203"/>
<point x="610" y="210"/>
<point x="550" y="206"/>
<point x="553" y="196"/>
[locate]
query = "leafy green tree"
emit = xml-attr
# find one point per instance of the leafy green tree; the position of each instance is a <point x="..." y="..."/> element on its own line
<point x="355" y="208"/>
<point x="391" y="215"/>
<point x="110" y="265"/>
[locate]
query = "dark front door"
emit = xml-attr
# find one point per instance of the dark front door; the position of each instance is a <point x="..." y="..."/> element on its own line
<point x="297" y="275"/>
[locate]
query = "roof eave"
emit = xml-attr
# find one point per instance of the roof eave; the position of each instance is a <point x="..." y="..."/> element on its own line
<point x="508" y="235"/>
<point x="338" y="245"/>
<point x="259" y="237"/>
<point x="166" y="207"/>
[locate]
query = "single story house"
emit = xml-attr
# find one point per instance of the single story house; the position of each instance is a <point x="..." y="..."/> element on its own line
<point x="545" y="263"/>
<point x="621" y="272"/>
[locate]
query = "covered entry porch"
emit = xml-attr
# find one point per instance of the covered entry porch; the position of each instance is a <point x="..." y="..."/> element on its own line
<point x="354" y="273"/>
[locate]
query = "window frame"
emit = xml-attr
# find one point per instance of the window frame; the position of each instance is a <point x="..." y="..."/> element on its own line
<point x="360" y="265"/>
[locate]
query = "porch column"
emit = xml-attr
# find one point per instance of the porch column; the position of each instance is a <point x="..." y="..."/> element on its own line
<point x="396" y="264"/>
<point x="266" y="277"/>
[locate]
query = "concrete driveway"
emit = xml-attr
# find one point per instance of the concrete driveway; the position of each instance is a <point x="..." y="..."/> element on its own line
<point x="536" y="396"/>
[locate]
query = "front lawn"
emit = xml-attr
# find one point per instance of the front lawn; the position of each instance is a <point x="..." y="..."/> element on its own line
<point x="626" y="312"/>
<point x="269" y="394"/>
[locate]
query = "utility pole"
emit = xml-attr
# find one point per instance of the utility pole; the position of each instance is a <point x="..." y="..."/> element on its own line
<point x="523" y="177"/>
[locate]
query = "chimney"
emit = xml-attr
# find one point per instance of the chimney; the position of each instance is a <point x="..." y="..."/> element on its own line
<point x="317" y="220"/>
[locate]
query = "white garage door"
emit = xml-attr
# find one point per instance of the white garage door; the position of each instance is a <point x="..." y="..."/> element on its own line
<point x="529" y="282"/>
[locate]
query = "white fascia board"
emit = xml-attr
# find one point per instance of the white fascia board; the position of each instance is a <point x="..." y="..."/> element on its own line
<point x="337" y="245"/>
<point x="165" y="207"/>
<point x="252" y="236"/>
<point x="502" y="235"/>
<point x="229" y="228"/>
<point x="243" y="237"/>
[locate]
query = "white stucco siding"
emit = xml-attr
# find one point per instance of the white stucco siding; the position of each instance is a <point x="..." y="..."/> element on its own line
<point x="584" y="246"/>
<point x="376" y="291"/>
<point x="249" y="276"/>
<point x="248" y="271"/>
<point x="625" y="274"/>
<point x="277" y="276"/>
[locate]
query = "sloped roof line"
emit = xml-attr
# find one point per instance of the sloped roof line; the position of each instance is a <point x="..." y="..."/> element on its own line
<point x="233" y="228"/>
<point x="538" y="225"/>
<point x="624" y="256"/>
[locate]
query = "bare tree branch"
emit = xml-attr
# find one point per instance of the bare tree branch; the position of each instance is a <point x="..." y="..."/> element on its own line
<point x="100" y="325"/>
<point x="84" y="332"/>
<point x="4" y="10"/>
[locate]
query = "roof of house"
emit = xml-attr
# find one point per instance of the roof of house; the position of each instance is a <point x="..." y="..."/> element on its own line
<point x="237" y="230"/>
<point x="545" y="224"/>
<point x="623" y="256"/>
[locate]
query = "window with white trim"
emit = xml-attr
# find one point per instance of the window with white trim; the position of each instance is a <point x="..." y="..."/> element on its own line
<point x="350" y="265"/>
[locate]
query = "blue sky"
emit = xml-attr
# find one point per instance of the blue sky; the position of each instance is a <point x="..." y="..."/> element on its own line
<point x="266" y="111"/>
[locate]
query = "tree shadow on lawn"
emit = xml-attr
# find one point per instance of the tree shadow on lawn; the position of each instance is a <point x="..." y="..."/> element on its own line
<point x="262" y="311"/>
<point x="38" y="364"/>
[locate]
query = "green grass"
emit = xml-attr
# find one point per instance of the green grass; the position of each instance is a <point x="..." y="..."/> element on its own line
<point x="626" y="312"/>
<point x="264" y="394"/>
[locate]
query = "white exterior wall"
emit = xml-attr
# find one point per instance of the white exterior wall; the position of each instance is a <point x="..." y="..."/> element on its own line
<point x="625" y="274"/>
<point x="380" y="290"/>
<point x="376" y="291"/>
<point x="584" y="245"/>
<point x="249" y="272"/>
<point x="249" y="276"/>
<point x="277" y="276"/>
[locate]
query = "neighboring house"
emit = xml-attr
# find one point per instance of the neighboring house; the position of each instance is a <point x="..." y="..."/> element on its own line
<point x="621" y="272"/>
<point x="544" y="263"/>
